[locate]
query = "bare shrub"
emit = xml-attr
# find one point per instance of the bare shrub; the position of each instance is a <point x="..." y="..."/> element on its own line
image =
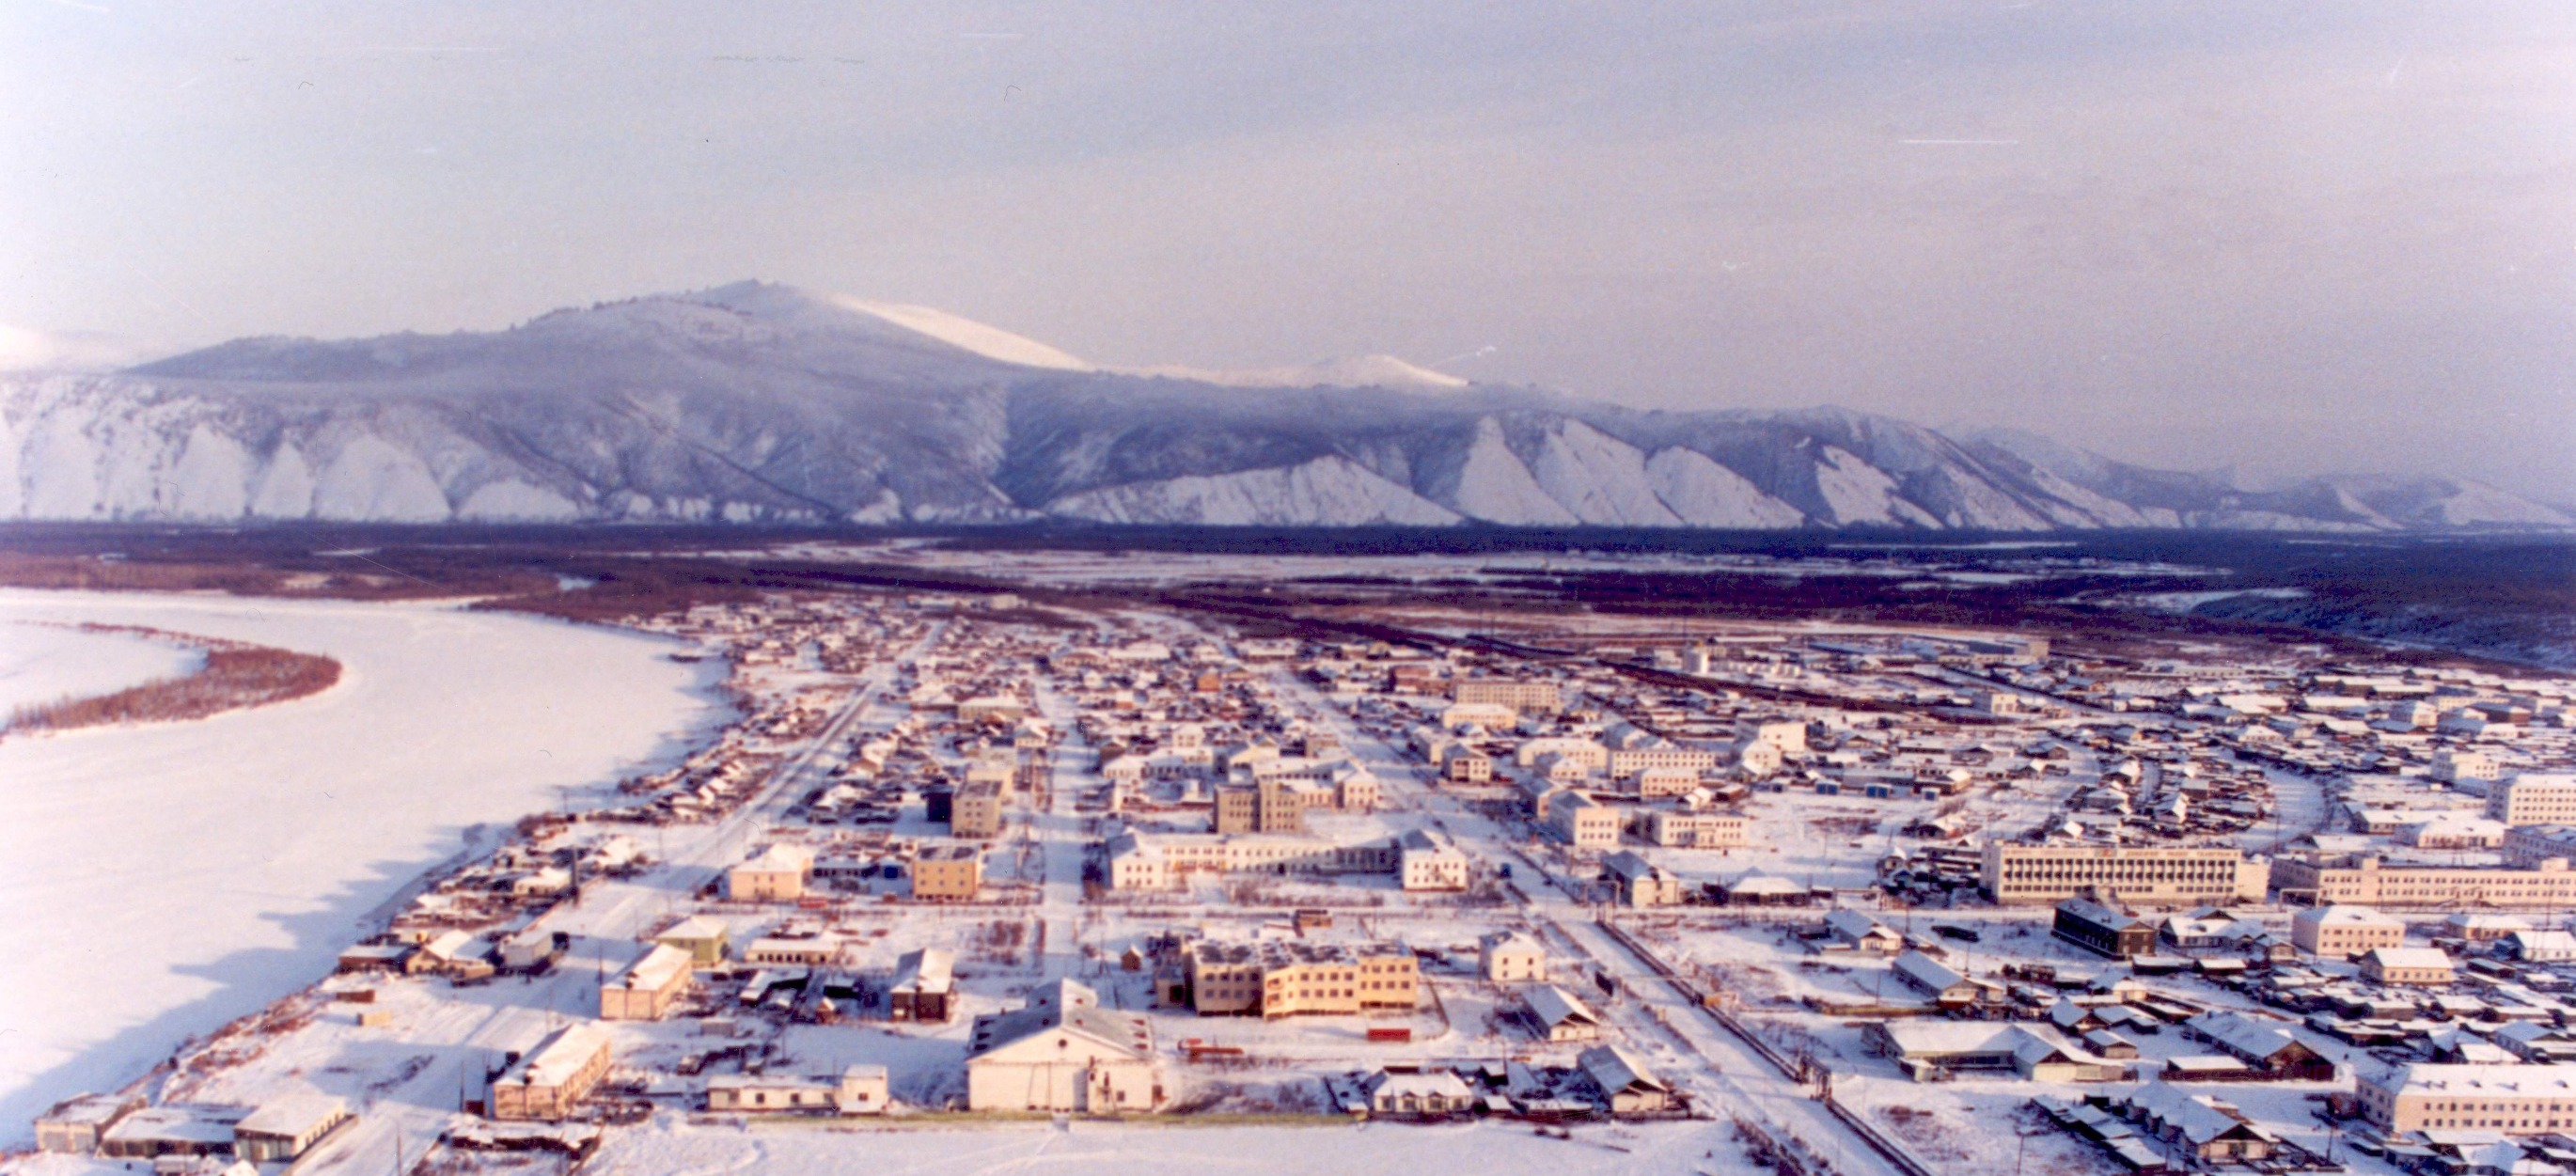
<point x="236" y="674"/>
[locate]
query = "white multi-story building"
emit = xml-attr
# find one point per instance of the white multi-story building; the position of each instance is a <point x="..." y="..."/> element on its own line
<point x="1582" y="821"/>
<point x="2534" y="798"/>
<point x="1630" y="761"/>
<point x="2453" y="764"/>
<point x="2139" y="875"/>
<point x="2341" y="931"/>
<point x="2511" y="1099"/>
<point x="1544" y="698"/>
<point x="1587" y="753"/>
<point x="2530" y="845"/>
<point x="1158" y="861"/>
<point x="1428" y="860"/>
<point x="1511" y="957"/>
<point x="2366" y="880"/>
<point x="1696" y="830"/>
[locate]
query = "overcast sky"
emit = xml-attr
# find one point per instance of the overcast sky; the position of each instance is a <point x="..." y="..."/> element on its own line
<point x="2286" y="237"/>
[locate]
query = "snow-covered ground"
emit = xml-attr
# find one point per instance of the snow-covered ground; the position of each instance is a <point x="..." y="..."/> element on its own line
<point x="1112" y="1150"/>
<point x="45" y="663"/>
<point x="161" y="880"/>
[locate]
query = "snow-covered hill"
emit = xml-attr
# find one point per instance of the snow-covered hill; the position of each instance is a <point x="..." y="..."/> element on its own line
<point x="757" y="402"/>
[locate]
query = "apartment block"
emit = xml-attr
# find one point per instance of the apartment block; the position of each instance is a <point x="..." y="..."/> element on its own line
<point x="1159" y="861"/>
<point x="2017" y="875"/>
<point x="1283" y="978"/>
<point x="2511" y="1099"/>
<point x="948" y="873"/>
<point x="1629" y="761"/>
<point x="778" y="874"/>
<point x="1582" y="821"/>
<point x="2367" y="881"/>
<point x="1544" y="698"/>
<point x="2341" y="931"/>
<point x="1688" y="830"/>
<point x="2534" y="798"/>
<point x="2530" y="845"/>
<point x="976" y="811"/>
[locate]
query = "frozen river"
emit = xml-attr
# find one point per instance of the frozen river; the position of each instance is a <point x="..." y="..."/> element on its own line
<point x="161" y="880"/>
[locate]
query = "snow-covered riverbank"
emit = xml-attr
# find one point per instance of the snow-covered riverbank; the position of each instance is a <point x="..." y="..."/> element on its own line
<point x="163" y="879"/>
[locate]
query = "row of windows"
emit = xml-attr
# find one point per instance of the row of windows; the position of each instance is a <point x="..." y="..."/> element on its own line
<point x="2033" y="869"/>
<point x="2490" y="1123"/>
<point x="2497" y="1105"/>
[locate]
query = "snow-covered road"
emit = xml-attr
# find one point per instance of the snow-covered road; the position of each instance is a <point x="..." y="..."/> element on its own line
<point x="1719" y="1070"/>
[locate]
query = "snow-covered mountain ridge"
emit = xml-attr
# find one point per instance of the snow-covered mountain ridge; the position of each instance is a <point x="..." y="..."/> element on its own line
<point x="757" y="402"/>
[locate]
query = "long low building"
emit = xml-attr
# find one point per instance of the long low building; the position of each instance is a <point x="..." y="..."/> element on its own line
<point x="2017" y="875"/>
<point x="282" y="1131"/>
<point x="1929" y="1049"/>
<point x="1691" y="830"/>
<point x="549" y="1081"/>
<point x="859" y="1090"/>
<point x="2512" y="1099"/>
<point x="1159" y="861"/>
<point x="2368" y="881"/>
<point x="2530" y="845"/>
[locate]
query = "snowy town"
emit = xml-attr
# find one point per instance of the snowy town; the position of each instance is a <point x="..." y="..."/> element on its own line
<point x="1807" y="898"/>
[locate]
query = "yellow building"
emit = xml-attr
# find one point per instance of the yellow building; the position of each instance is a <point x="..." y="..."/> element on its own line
<point x="976" y="810"/>
<point x="948" y="873"/>
<point x="704" y="938"/>
<point x="779" y="874"/>
<point x="548" y="1082"/>
<point x="1284" y="978"/>
<point x="2408" y="965"/>
<point x="648" y="987"/>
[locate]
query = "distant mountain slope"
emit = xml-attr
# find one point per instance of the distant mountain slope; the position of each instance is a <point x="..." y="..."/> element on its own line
<point x="757" y="402"/>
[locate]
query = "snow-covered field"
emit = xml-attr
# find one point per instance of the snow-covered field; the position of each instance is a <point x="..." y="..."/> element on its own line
<point x="45" y="663"/>
<point x="161" y="880"/>
<point x="1489" y="1149"/>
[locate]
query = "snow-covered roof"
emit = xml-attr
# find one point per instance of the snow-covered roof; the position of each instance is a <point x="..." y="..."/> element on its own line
<point x="1855" y="925"/>
<point x="294" y="1115"/>
<point x="655" y="968"/>
<point x="2409" y="957"/>
<point x="559" y="1057"/>
<point x="2241" y="1035"/>
<point x="1554" y="1006"/>
<point x="2454" y="1078"/>
<point x="694" y="927"/>
<point x="1614" y="1069"/>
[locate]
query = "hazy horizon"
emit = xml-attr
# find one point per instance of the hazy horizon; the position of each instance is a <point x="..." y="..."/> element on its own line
<point x="2284" y="240"/>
